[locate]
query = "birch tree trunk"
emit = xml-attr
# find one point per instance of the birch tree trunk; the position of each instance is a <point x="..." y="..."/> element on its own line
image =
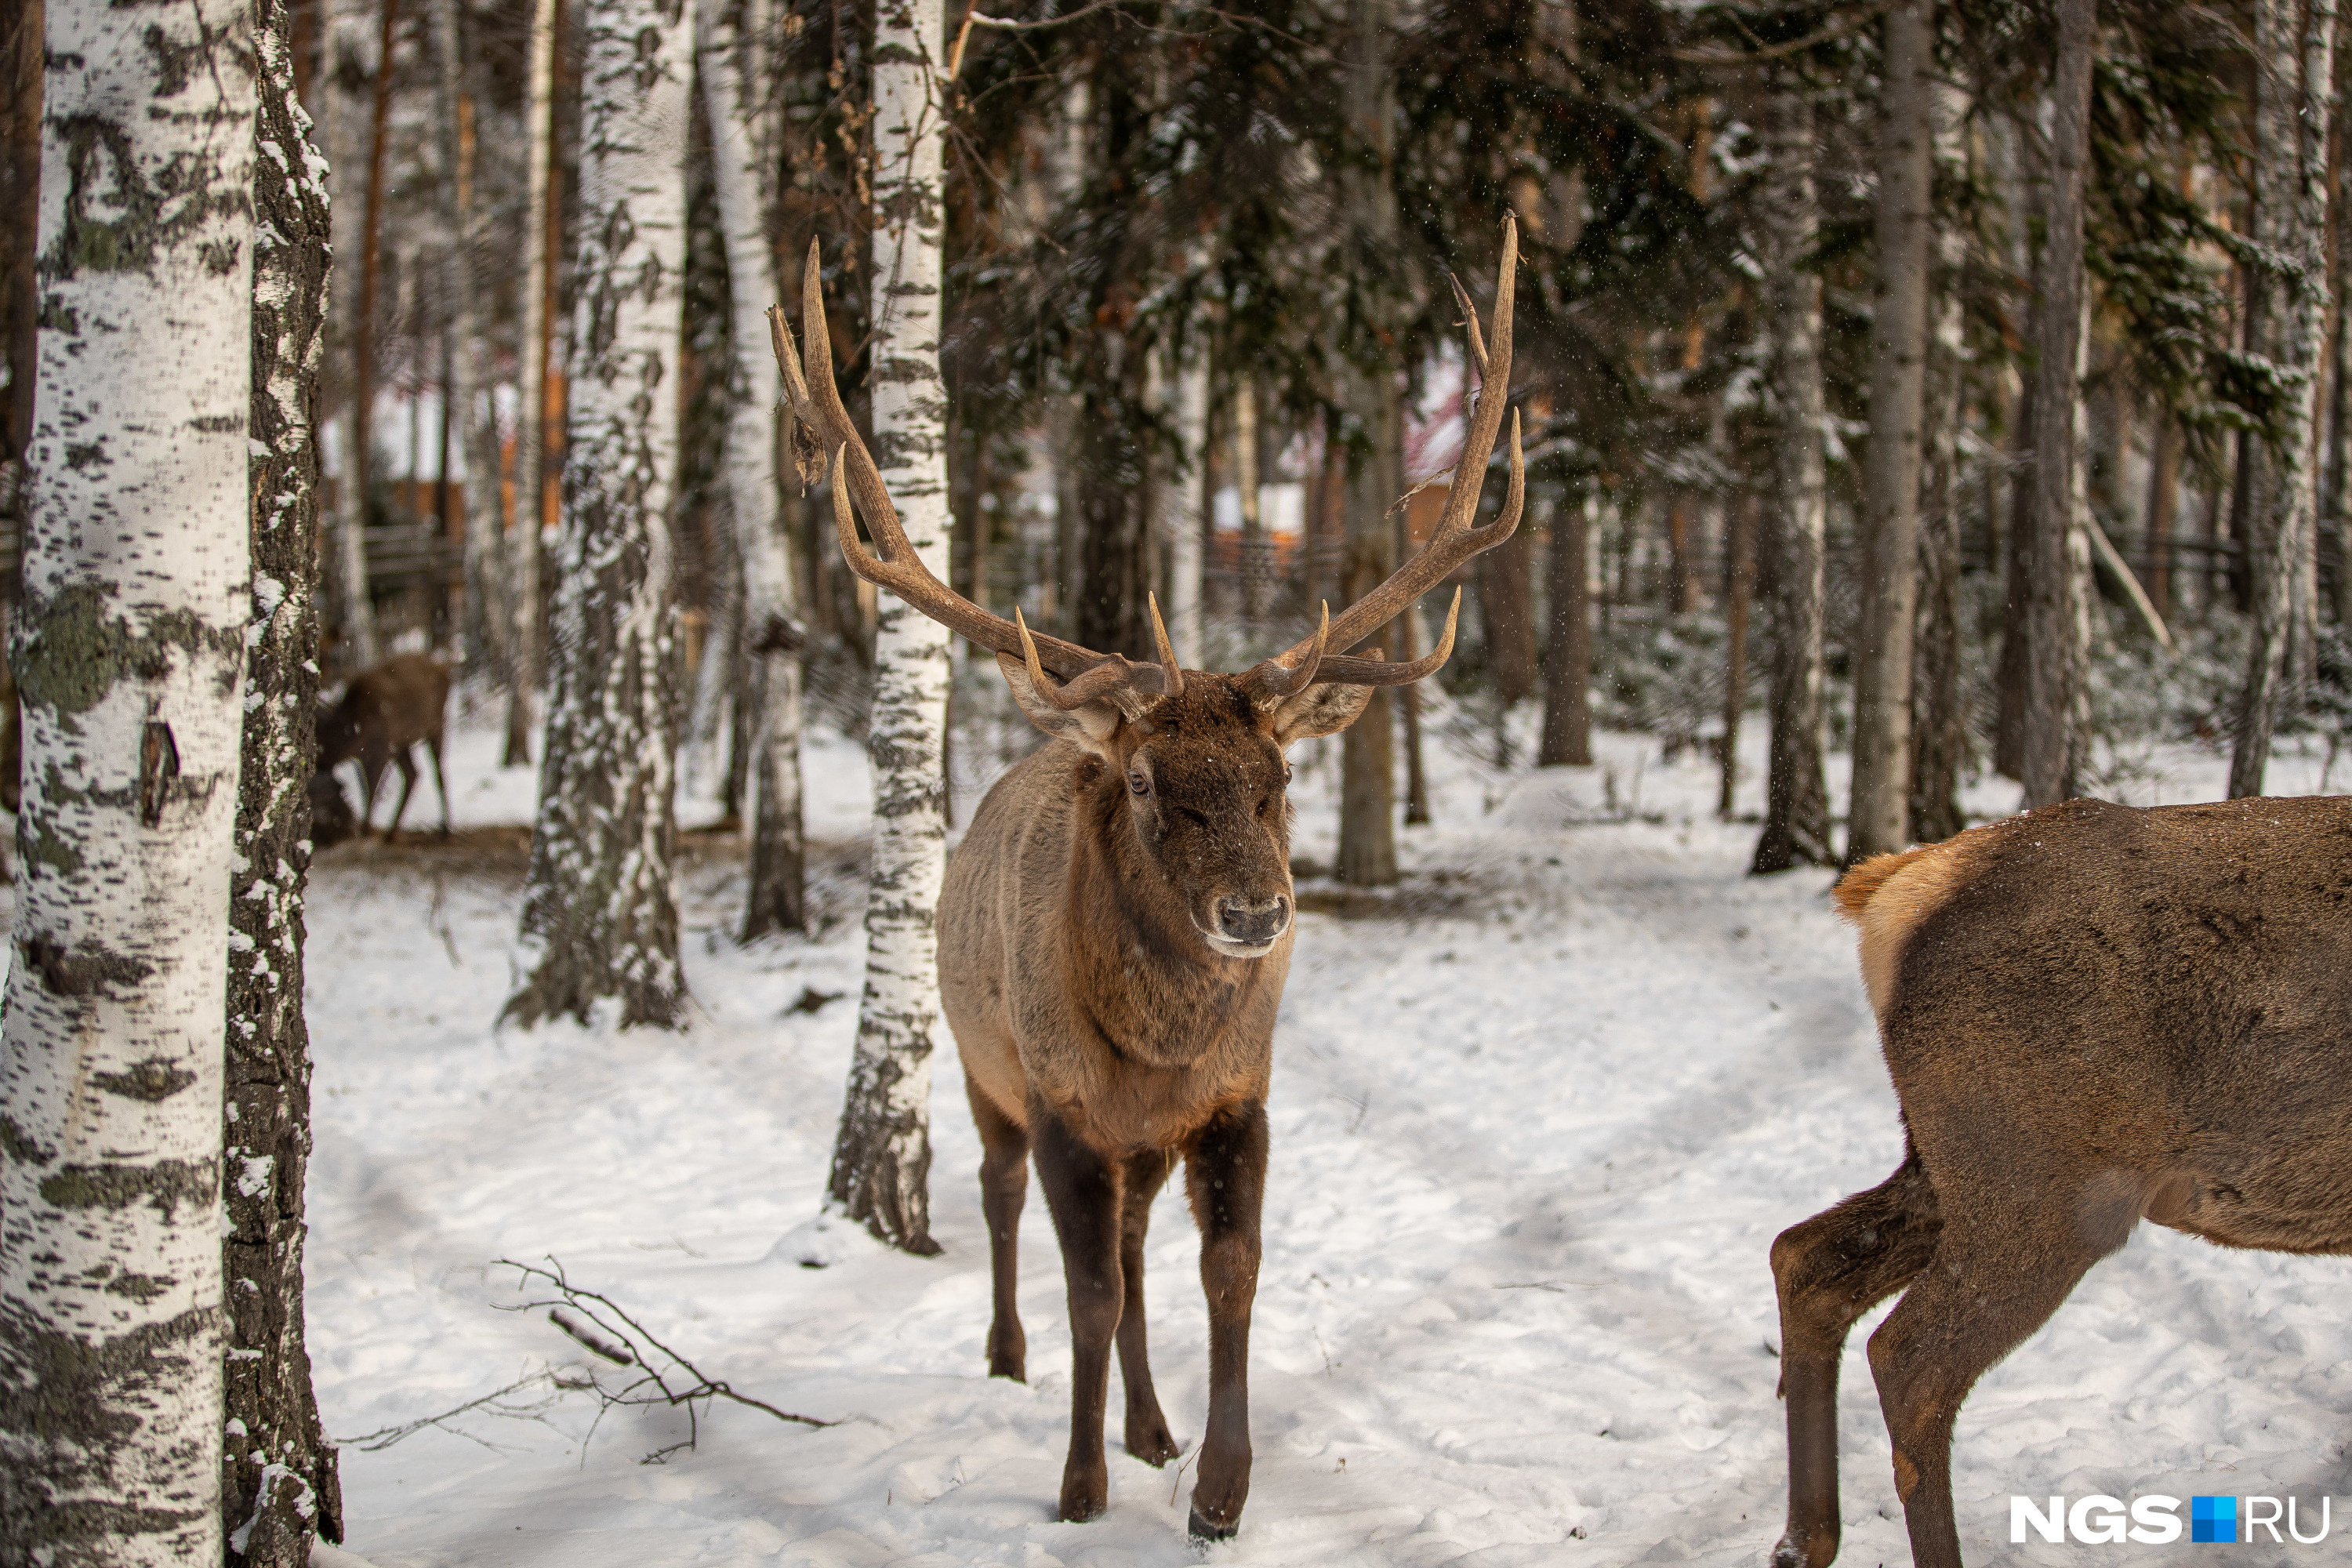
<point x="461" y="389"/>
<point x="526" y="653"/>
<point x="1369" y="393"/>
<point x="2054" y="652"/>
<point x="2293" y="55"/>
<point x="600" y="913"/>
<point x="1878" y="820"/>
<point x="130" y="656"/>
<point x="882" y="1157"/>
<point x="746" y="133"/>
<point x="1184" y="511"/>
<point x="278" y="1483"/>
<point x="1797" y="811"/>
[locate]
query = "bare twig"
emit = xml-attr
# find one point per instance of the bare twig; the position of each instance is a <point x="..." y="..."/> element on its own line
<point x="662" y="1376"/>
<point x="493" y="1404"/>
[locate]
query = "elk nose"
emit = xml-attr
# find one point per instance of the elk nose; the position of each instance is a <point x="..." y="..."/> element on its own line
<point x="1252" y="921"/>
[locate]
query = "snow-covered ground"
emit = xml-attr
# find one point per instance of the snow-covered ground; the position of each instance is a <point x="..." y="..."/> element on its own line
<point x="1534" y="1130"/>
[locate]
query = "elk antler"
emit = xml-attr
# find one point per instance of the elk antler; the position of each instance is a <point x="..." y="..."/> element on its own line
<point x="816" y="407"/>
<point x="1455" y="541"/>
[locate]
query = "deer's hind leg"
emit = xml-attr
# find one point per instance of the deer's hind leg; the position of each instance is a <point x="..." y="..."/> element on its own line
<point x="1003" y="1189"/>
<point x="1147" y="1429"/>
<point x="1831" y="1270"/>
<point x="2000" y="1268"/>
<point x="440" y="784"/>
<point x="407" y="765"/>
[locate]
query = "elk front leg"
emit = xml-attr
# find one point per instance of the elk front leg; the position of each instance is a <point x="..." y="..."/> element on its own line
<point x="440" y="784"/>
<point x="1831" y="1270"/>
<point x="1082" y="1191"/>
<point x="408" y="787"/>
<point x="1004" y="1188"/>
<point x="1979" y="1298"/>
<point x="1147" y="1429"/>
<point x="1225" y="1175"/>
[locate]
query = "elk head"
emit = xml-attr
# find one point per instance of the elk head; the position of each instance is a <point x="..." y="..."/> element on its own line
<point x="1200" y="756"/>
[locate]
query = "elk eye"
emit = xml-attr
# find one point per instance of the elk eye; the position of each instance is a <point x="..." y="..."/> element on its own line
<point x="1285" y="769"/>
<point x="1138" y="784"/>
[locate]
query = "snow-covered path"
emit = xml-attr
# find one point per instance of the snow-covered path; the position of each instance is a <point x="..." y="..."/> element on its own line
<point x="1530" y="1146"/>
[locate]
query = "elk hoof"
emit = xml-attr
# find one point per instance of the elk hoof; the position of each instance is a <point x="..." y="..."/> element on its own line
<point x="1148" y="1440"/>
<point x="1085" y="1497"/>
<point x="1201" y="1530"/>
<point x="1810" y="1550"/>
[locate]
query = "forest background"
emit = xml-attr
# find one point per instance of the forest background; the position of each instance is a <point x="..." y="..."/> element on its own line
<point x="1965" y="387"/>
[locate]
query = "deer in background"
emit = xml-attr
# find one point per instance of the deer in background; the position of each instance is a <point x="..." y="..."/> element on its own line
<point x="383" y="713"/>
<point x="1116" y="928"/>
<point x="2092" y="1015"/>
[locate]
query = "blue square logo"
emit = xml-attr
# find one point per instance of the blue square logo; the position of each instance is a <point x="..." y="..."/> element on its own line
<point x="2212" y="1519"/>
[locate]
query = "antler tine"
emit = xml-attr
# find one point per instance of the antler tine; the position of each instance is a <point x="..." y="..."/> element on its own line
<point x="1455" y="540"/>
<point x="859" y="490"/>
<point x="1097" y="682"/>
<point x="1374" y="670"/>
<point x="1169" y="669"/>
<point x="1470" y="319"/>
<point x="1276" y="678"/>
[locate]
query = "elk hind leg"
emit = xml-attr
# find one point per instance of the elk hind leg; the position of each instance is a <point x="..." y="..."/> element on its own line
<point x="440" y="784"/>
<point x="1981" y="1295"/>
<point x="1146" y="1428"/>
<point x="1003" y="1189"/>
<point x="1831" y="1270"/>
<point x="1081" y="1192"/>
<point x="407" y="765"/>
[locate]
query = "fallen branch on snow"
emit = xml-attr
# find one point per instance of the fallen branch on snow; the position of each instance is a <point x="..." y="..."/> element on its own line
<point x="660" y="1375"/>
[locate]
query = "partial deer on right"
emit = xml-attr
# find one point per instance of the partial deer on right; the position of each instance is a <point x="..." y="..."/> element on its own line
<point x="2092" y="1015"/>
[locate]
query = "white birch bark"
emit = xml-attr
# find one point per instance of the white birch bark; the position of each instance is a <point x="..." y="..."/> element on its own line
<point x="131" y="654"/>
<point x="738" y="81"/>
<point x="526" y="651"/>
<point x="2293" y="55"/>
<point x="881" y="1160"/>
<point x="475" y="448"/>
<point x="600" y="912"/>
<point x="1184" y="509"/>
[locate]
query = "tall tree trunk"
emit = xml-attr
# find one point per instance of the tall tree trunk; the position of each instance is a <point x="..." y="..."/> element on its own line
<point x="2163" y="507"/>
<point x="474" y="431"/>
<point x="2293" y="55"/>
<point x="2008" y="676"/>
<point x="1257" y="564"/>
<point x="1940" y="729"/>
<point x="2054" y="652"/>
<point x="1568" y="674"/>
<point x="358" y="462"/>
<point x="1878" y="820"/>
<point x="1739" y="595"/>
<point x="882" y="1158"/>
<point x="2334" y="522"/>
<point x="1509" y="602"/>
<point x="746" y="136"/>
<point x="525" y="652"/>
<point x="1182" y="501"/>
<point x="1796" y="812"/>
<point x="278" y="1481"/>
<point x="20" y="185"/>
<point x="130" y="653"/>
<point x="600" y="912"/>
<point x="1369" y="392"/>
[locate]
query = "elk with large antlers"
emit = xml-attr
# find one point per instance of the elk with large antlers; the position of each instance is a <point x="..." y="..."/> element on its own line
<point x="2092" y="1015"/>
<point x="1116" y="925"/>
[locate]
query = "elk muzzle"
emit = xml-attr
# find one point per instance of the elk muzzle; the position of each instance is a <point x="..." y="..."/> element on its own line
<point x="1248" y="928"/>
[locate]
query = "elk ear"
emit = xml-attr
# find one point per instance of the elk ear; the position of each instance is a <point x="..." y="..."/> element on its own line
<point x="1324" y="710"/>
<point x="1089" y="725"/>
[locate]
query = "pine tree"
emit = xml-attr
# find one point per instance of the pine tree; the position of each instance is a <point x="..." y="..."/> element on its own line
<point x="1878" y="821"/>
<point x="600" y="911"/>
<point x="131" y="654"/>
<point x="1787" y="222"/>
<point x="882" y="1156"/>
<point x="279" y="1478"/>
